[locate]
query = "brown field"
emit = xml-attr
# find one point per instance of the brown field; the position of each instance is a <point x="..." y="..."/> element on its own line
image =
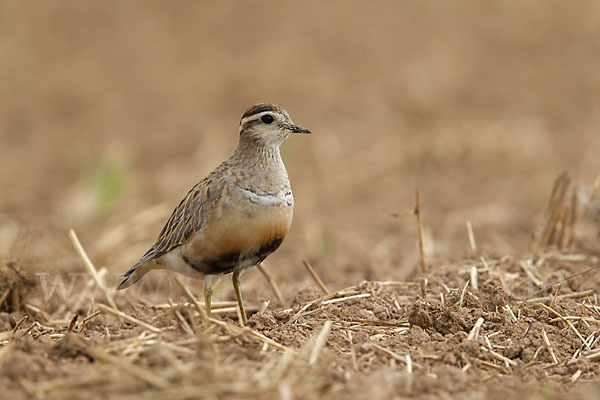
<point x="111" y="111"/>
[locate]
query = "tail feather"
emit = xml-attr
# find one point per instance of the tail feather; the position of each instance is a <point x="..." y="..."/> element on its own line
<point x="133" y="275"/>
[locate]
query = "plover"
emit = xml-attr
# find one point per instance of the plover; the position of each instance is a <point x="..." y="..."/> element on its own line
<point x="235" y="217"/>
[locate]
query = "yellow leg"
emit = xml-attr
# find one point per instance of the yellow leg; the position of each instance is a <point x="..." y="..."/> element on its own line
<point x="207" y="298"/>
<point x="238" y="294"/>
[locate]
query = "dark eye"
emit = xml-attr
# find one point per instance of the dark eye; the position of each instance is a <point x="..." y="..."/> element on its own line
<point x="267" y="119"/>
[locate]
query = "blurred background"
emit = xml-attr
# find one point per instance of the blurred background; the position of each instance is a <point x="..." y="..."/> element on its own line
<point x="111" y="111"/>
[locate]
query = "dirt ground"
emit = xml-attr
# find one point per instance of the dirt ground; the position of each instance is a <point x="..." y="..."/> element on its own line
<point x="109" y="113"/>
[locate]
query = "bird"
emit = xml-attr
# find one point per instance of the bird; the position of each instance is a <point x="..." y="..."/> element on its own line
<point x="235" y="217"/>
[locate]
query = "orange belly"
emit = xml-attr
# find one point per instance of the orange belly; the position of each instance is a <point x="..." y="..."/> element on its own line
<point x="240" y="233"/>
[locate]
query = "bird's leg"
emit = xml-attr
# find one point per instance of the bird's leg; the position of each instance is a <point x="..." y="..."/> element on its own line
<point x="238" y="294"/>
<point x="208" y="295"/>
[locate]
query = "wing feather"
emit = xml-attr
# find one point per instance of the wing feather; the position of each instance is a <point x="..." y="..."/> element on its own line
<point x="187" y="218"/>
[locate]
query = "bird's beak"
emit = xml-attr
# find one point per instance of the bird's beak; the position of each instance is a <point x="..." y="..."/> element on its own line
<point x="297" y="129"/>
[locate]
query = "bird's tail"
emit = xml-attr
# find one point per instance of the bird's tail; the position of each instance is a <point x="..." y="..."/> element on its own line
<point x="134" y="274"/>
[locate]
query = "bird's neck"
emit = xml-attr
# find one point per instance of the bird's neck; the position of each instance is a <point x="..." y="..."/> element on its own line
<point x="261" y="166"/>
<point x="259" y="154"/>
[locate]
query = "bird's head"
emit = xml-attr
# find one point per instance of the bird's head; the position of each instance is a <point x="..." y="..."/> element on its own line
<point x="268" y="125"/>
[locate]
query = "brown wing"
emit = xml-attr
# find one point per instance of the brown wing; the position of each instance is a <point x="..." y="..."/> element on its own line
<point x="187" y="218"/>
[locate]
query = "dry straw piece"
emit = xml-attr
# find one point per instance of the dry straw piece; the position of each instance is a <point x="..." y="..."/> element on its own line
<point x="319" y="343"/>
<point x="90" y="268"/>
<point x="149" y="377"/>
<point x="128" y="318"/>
<point x="563" y="212"/>
<point x="474" y="334"/>
<point x="315" y="277"/>
<point x="249" y="332"/>
<point x="549" y="347"/>
<point x="567" y="322"/>
<point x="471" y="236"/>
<point x="420" y="231"/>
<point x="271" y="283"/>
<point x="4" y="296"/>
<point x="195" y="302"/>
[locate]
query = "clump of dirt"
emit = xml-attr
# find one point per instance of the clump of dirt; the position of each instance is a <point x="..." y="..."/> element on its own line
<point x="306" y="295"/>
<point x="70" y="347"/>
<point x="491" y="295"/>
<point x="263" y="321"/>
<point x="28" y="359"/>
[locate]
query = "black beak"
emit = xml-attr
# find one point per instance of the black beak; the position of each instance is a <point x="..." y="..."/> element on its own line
<point x="297" y="129"/>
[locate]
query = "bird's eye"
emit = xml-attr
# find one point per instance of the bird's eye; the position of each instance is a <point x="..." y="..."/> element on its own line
<point x="267" y="119"/>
